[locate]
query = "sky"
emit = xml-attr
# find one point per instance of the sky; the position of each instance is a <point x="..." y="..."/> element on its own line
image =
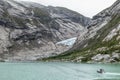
<point x="87" y="8"/>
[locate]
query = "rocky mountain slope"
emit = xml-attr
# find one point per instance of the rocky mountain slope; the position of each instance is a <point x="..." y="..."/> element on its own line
<point x="29" y="31"/>
<point x="100" y="41"/>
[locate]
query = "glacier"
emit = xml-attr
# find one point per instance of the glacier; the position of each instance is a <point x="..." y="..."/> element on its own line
<point x="68" y="42"/>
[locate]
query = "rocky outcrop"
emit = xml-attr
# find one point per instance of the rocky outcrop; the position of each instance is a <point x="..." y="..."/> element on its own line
<point x="115" y="57"/>
<point x="29" y="31"/>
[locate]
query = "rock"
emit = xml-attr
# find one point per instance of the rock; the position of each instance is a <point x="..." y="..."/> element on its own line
<point x="106" y="58"/>
<point x="116" y="56"/>
<point x="100" y="57"/>
<point x="78" y="59"/>
<point x="102" y="49"/>
<point x="118" y="38"/>
<point x="97" y="57"/>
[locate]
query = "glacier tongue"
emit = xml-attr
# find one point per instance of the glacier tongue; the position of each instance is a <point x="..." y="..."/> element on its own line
<point x="68" y="42"/>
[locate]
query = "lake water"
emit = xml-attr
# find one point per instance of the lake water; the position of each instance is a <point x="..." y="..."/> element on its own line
<point x="58" y="71"/>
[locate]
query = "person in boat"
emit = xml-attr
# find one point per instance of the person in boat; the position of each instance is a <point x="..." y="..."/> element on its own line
<point x="101" y="71"/>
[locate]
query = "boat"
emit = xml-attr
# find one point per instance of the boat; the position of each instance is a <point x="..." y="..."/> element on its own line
<point x="100" y="71"/>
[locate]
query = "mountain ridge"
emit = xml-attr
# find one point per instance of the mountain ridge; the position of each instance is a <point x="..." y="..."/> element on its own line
<point x="31" y="31"/>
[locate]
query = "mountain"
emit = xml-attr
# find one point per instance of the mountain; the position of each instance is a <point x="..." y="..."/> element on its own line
<point x="31" y="31"/>
<point x="100" y="40"/>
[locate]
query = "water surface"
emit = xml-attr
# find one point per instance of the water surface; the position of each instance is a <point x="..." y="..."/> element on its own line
<point x="58" y="71"/>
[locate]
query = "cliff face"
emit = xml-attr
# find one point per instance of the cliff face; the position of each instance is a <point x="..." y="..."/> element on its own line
<point x="100" y="41"/>
<point x="29" y="31"/>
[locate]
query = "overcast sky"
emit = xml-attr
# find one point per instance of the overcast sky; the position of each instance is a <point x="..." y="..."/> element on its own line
<point x="86" y="7"/>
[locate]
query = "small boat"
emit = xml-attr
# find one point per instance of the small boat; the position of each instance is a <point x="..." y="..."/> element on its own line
<point x="101" y="71"/>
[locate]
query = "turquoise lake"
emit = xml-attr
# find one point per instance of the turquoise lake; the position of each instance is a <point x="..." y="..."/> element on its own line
<point x="58" y="71"/>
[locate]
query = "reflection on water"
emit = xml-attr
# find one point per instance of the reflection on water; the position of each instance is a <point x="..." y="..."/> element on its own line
<point x="58" y="71"/>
